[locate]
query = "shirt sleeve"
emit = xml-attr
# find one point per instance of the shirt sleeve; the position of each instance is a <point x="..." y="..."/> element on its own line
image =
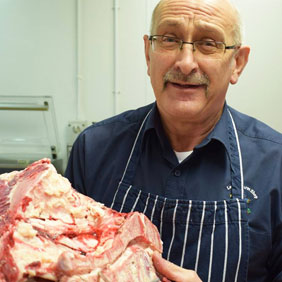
<point x="75" y="171"/>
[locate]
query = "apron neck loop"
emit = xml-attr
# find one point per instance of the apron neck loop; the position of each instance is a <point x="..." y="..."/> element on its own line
<point x="129" y="170"/>
<point x="237" y="177"/>
<point x="131" y="165"/>
<point x="237" y="174"/>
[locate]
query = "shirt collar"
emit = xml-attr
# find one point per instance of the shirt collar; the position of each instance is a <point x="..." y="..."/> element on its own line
<point x="154" y="124"/>
<point x="219" y="133"/>
<point x="150" y="123"/>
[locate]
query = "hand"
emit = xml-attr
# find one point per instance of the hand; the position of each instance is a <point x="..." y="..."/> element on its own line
<point x="170" y="271"/>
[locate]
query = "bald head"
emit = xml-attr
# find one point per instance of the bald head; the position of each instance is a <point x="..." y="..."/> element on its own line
<point x="225" y="6"/>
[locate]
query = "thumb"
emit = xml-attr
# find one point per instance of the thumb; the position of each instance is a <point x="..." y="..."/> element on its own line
<point x="172" y="271"/>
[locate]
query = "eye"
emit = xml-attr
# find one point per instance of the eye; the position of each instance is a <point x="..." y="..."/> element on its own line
<point x="169" y="42"/>
<point x="211" y="44"/>
<point x="168" y="39"/>
<point x="208" y="46"/>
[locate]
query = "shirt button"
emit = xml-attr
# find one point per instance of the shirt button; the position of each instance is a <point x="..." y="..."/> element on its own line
<point x="177" y="172"/>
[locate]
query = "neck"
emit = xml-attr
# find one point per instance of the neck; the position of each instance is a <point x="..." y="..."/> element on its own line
<point x="185" y="135"/>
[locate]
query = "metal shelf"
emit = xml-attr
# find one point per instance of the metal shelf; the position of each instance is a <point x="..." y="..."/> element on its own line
<point x="24" y="107"/>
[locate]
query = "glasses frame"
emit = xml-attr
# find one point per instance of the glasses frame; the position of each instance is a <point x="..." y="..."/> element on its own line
<point x="182" y="42"/>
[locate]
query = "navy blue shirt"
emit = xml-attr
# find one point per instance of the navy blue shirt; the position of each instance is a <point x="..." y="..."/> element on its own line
<point x="100" y="154"/>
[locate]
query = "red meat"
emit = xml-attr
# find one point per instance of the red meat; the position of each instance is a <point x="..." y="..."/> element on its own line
<point x="50" y="232"/>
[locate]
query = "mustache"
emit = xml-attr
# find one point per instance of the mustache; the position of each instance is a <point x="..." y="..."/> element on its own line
<point x="192" y="78"/>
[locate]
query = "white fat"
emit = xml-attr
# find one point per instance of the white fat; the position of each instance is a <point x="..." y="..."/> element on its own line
<point x="25" y="230"/>
<point x="55" y="185"/>
<point x="85" y="245"/>
<point x="96" y="209"/>
<point x="29" y="249"/>
<point x="31" y="272"/>
<point x="8" y="176"/>
<point x="58" y="200"/>
<point x="92" y="276"/>
<point x="14" y="190"/>
<point x="102" y="248"/>
<point x="134" y="262"/>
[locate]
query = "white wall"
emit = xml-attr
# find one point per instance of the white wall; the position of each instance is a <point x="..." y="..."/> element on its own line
<point x="97" y="53"/>
<point x="37" y="54"/>
<point x="96" y="59"/>
<point x="65" y="48"/>
<point x="258" y="92"/>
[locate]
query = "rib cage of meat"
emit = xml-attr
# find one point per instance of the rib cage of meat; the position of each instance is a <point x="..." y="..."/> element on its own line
<point x="48" y="231"/>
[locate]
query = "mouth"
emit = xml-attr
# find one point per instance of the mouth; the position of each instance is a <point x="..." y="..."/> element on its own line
<point x="186" y="86"/>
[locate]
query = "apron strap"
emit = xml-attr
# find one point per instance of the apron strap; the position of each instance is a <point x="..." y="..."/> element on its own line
<point x="236" y="158"/>
<point x="237" y="177"/>
<point x="133" y="158"/>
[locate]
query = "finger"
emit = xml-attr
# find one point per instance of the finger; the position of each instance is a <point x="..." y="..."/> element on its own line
<point x="172" y="271"/>
<point x="165" y="280"/>
<point x="163" y="266"/>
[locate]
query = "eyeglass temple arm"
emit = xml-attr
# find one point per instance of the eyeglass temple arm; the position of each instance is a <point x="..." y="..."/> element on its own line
<point x="236" y="46"/>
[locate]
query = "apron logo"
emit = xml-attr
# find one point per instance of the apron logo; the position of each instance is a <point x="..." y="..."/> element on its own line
<point x="250" y="191"/>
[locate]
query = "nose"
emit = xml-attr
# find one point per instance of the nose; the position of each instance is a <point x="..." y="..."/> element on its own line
<point x="185" y="59"/>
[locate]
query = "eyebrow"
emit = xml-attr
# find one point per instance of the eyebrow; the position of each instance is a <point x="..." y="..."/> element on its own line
<point x="200" y="25"/>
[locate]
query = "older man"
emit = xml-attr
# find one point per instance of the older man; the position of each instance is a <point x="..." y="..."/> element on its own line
<point x="208" y="176"/>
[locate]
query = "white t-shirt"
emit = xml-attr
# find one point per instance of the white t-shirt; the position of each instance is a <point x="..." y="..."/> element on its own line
<point x="182" y="155"/>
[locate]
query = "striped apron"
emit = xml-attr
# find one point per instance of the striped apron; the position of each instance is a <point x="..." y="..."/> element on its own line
<point x="210" y="237"/>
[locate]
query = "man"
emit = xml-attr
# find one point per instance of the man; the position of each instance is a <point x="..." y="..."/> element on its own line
<point x="208" y="176"/>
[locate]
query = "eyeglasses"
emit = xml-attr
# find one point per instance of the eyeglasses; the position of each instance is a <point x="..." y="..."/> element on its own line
<point x="206" y="48"/>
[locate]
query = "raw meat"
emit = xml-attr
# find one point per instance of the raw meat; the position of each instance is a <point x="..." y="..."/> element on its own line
<point x="51" y="232"/>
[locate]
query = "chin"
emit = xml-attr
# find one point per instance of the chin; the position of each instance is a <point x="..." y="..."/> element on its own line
<point x="182" y="110"/>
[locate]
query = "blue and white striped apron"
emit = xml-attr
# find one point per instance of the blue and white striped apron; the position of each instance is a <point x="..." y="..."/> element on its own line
<point x="210" y="237"/>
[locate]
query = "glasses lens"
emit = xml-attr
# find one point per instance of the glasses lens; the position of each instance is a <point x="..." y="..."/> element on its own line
<point x="209" y="49"/>
<point x="165" y="43"/>
<point x="168" y="43"/>
<point x="203" y="49"/>
<point x="206" y="47"/>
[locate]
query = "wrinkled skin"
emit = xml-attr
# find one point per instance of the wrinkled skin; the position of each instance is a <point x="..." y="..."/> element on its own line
<point x="193" y="109"/>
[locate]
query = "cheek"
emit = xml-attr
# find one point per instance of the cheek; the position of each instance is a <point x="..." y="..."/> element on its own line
<point x="159" y="65"/>
<point x="157" y="71"/>
<point x="219" y="73"/>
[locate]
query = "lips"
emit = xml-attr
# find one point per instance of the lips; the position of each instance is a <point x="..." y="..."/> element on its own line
<point x="186" y="86"/>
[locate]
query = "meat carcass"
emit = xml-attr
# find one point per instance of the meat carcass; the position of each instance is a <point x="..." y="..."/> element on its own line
<point x="48" y="231"/>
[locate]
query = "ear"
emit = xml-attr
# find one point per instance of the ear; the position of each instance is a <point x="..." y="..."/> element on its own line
<point x="241" y="59"/>
<point x="147" y="45"/>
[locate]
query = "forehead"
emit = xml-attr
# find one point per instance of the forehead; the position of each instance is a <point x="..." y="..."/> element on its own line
<point x="209" y="15"/>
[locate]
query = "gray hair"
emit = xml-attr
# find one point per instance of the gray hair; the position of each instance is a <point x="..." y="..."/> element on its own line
<point x="238" y="32"/>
